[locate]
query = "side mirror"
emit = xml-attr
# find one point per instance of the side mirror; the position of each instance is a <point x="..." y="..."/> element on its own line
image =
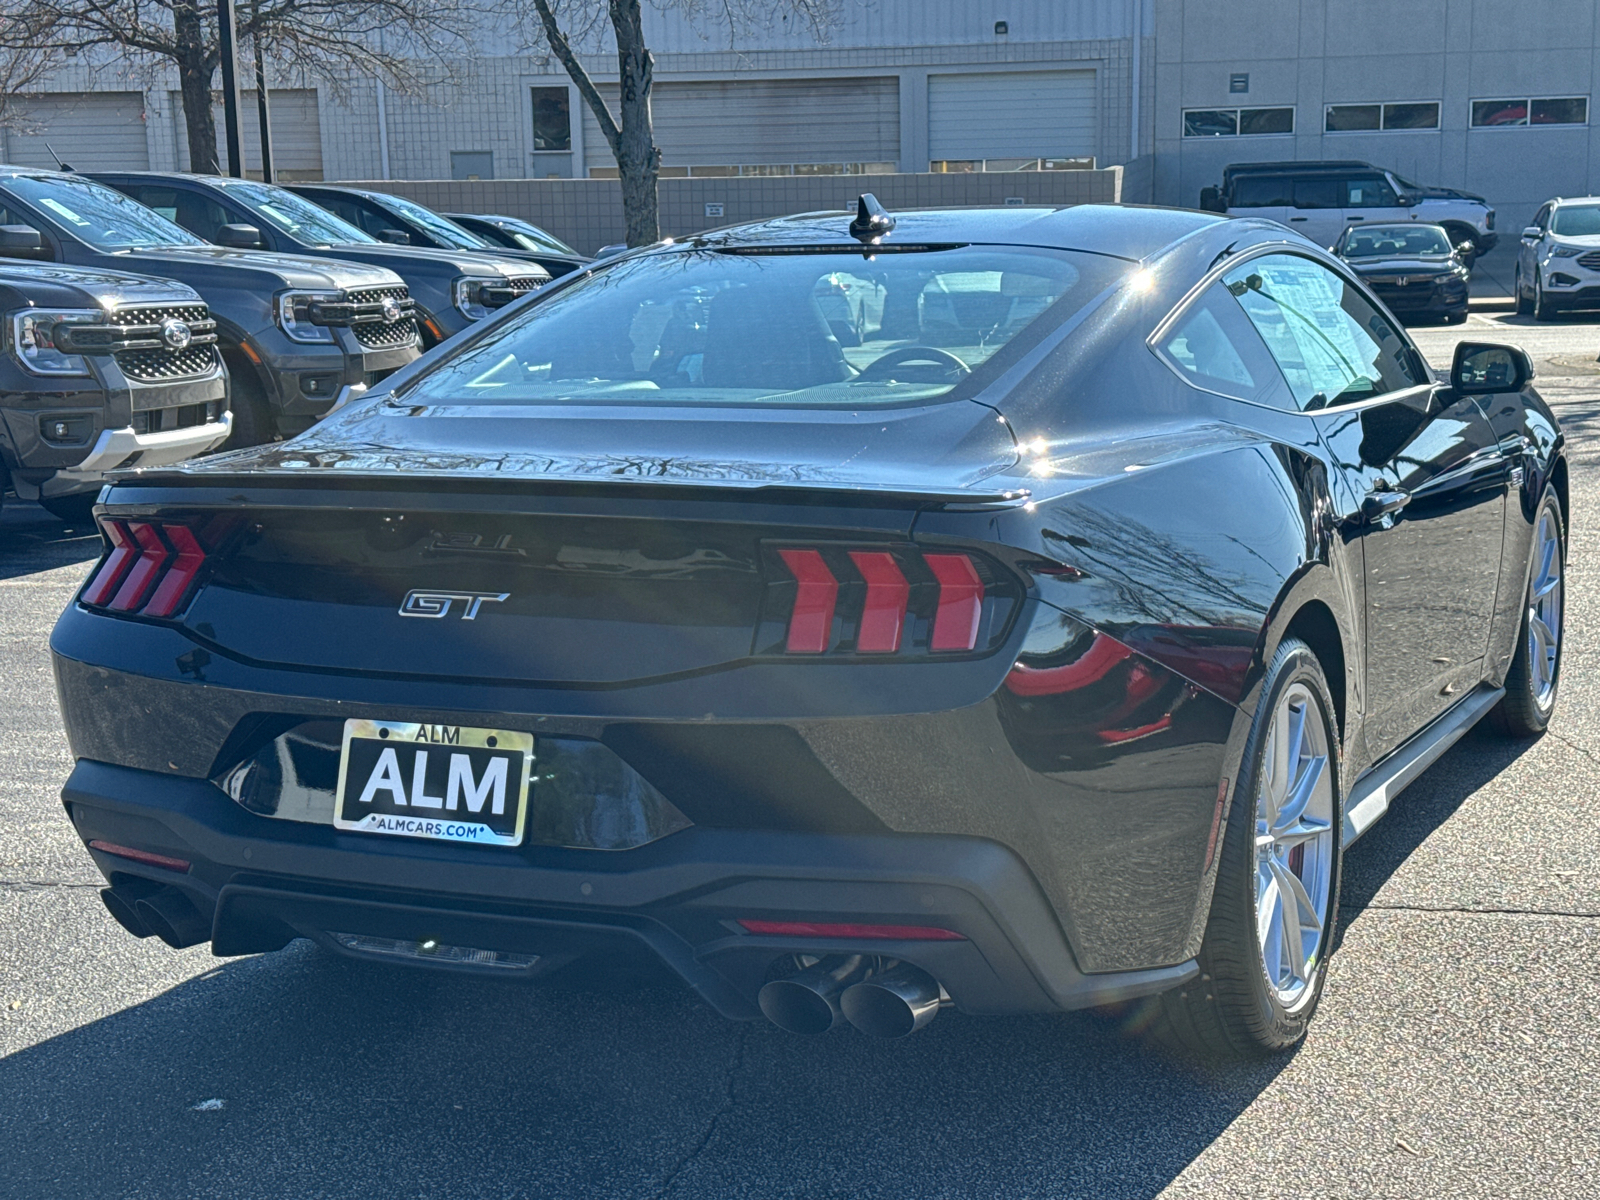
<point x="1481" y="368"/>
<point x="23" y="241"/>
<point x="1466" y="250"/>
<point x="241" y="237"/>
<point x="1405" y="200"/>
<point x="1532" y="233"/>
<point x="1211" y="200"/>
<point x="395" y="237"/>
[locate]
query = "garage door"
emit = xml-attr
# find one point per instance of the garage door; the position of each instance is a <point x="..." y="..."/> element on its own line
<point x="765" y="121"/>
<point x="1014" y="114"/>
<point x="296" y="134"/>
<point x="91" y="131"/>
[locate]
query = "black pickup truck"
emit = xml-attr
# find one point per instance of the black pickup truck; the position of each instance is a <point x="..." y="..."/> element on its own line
<point x="297" y="333"/>
<point x="102" y="369"/>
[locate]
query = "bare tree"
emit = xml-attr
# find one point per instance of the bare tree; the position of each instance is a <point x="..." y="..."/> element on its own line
<point x="330" y="40"/>
<point x="567" y="26"/>
<point x="22" y="68"/>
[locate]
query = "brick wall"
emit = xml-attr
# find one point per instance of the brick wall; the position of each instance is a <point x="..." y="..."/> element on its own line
<point x="587" y="213"/>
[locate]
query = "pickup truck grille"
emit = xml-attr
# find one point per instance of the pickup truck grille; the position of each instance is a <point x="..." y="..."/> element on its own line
<point x="145" y="357"/>
<point x="372" y="330"/>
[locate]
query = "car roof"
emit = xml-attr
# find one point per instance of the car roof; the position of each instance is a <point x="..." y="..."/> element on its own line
<point x="1559" y="201"/>
<point x="1133" y="232"/>
<point x="1323" y="166"/>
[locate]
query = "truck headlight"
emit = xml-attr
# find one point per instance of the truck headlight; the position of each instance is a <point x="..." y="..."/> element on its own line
<point x="299" y="322"/>
<point x="470" y="298"/>
<point x="33" y="339"/>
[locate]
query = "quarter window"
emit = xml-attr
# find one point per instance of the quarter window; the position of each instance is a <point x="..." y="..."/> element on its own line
<point x="1213" y="347"/>
<point x="1236" y="122"/>
<point x="1332" y="345"/>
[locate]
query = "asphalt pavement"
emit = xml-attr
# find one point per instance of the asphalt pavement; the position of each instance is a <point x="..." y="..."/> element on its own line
<point x="1455" y="1054"/>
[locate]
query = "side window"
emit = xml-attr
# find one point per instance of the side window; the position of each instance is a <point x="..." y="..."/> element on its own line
<point x="1368" y="191"/>
<point x="1332" y="345"/>
<point x="199" y="214"/>
<point x="163" y="200"/>
<point x="1213" y="347"/>
<point x="1317" y="193"/>
<point x="1542" y="218"/>
<point x="1260" y="192"/>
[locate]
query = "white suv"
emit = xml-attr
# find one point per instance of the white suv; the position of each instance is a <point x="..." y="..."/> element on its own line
<point x="1323" y="199"/>
<point x="1558" y="263"/>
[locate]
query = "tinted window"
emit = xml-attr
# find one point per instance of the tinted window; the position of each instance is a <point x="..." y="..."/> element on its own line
<point x="97" y="215"/>
<point x="1577" y="220"/>
<point x="1260" y="192"/>
<point x="1343" y="117"/>
<point x="1213" y="347"/>
<point x="294" y="215"/>
<point x="704" y="327"/>
<point x="442" y="230"/>
<point x="199" y="214"/>
<point x="1368" y="191"/>
<point x="1317" y="193"/>
<point x="1332" y="345"/>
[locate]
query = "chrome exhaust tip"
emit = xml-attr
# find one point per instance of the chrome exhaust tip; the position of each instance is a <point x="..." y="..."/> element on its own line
<point x="171" y="916"/>
<point x="808" y="1002"/>
<point x="894" y="1004"/>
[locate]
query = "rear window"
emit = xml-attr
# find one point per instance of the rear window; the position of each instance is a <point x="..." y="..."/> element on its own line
<point x="708" y="327"/>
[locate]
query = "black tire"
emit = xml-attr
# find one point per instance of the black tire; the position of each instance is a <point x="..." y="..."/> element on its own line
<point x="1522" y="713"/>
<point x="1524" y="301"/>
<point x="1231" y="1011"/>
<point x="254" y="423"/>
<point x="1543" y="308"/>
<point x="76" y="509"/>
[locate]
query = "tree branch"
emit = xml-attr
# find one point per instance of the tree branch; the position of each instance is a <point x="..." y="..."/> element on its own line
<point x="569" y="60"/>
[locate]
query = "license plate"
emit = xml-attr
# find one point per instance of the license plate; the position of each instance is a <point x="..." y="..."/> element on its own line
<point x="447" y="782"/>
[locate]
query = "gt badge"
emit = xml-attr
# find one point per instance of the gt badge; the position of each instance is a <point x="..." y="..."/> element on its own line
<point x="437" y="604"/>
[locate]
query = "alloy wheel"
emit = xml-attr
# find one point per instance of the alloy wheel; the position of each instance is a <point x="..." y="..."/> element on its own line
<point x="1294" y="845"/>
<point x="1545" y="595"/>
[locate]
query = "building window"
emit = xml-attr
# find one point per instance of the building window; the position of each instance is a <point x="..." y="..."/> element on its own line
<point x="552" y="119"/>
<point x="1350" y="118"/>
<point x="1552" y="110"/>
<point x="1236" y="122"/>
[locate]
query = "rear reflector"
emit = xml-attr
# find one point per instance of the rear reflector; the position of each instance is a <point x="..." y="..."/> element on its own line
<point x="960" y="602"/>
<point x="150" y="570"/>
<point x="143" y="856"/>
<point x="898" y="933"/>
<point x="883" y="615"/>
<point x="811" y="624"/>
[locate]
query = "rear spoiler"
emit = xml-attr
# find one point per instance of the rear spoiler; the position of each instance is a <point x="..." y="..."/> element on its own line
<point x="377" y="489"/>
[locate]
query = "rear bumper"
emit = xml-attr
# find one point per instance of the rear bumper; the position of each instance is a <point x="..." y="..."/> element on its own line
<point x="261" y="882"/>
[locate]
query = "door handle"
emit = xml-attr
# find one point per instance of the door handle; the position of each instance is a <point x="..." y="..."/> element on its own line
<point x="1355" y="218"/>
<point x="1383" y="502"/>
<point x="1297" y="218"/>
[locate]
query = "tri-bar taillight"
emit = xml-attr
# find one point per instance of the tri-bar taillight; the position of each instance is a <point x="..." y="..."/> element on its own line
<point x="150" y="570"/>
<point x="882" y="600"/>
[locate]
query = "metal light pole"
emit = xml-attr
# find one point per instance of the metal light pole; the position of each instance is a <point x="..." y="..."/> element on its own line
<point x="227" y="44"/>
<point x="261" y="109"/>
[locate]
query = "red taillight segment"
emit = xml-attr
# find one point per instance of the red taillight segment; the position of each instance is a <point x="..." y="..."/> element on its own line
<point x="811" y="624"/>
<point x="150" y="569"/>
<point x="883" y="615"/>
<point x="960" y="602"/>
<point x="141" y="856"/>
<point x="103" y="585"/>
<point x="817" y="929"/>
<point x="180" y="574"/>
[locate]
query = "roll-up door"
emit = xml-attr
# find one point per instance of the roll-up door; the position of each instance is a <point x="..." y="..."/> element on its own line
<point x="296" y="134"/>
<point x="751" y="122"/>
<point x="91" y="131"/>
<point x="1011" y="114"/>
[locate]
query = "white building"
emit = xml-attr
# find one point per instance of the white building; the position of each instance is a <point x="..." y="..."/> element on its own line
<point x="1463" y="93"/>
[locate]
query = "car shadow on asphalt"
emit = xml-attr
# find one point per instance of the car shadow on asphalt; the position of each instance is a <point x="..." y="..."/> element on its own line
<point x="1417" y="812"/>
<point x="31" y="540"/>
<point x="348" y="1079"/>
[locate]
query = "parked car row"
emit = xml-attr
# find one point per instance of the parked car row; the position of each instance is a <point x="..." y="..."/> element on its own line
<point x="152" y="317"/>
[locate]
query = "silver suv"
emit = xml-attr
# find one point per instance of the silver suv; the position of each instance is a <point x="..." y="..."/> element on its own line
<point x="1558" y="262"/>
<point x="1323" y="199"/>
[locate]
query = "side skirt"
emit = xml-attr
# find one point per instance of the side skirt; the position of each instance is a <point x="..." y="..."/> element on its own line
<point x="1370" y="797"/>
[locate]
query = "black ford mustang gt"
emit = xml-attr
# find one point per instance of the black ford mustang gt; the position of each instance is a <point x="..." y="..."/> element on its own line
<point x="1018" y="610"/>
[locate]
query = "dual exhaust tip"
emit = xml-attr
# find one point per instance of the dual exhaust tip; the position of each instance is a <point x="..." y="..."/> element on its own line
<point x="892" y="1002"/>
<point x="166" y="913"/>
